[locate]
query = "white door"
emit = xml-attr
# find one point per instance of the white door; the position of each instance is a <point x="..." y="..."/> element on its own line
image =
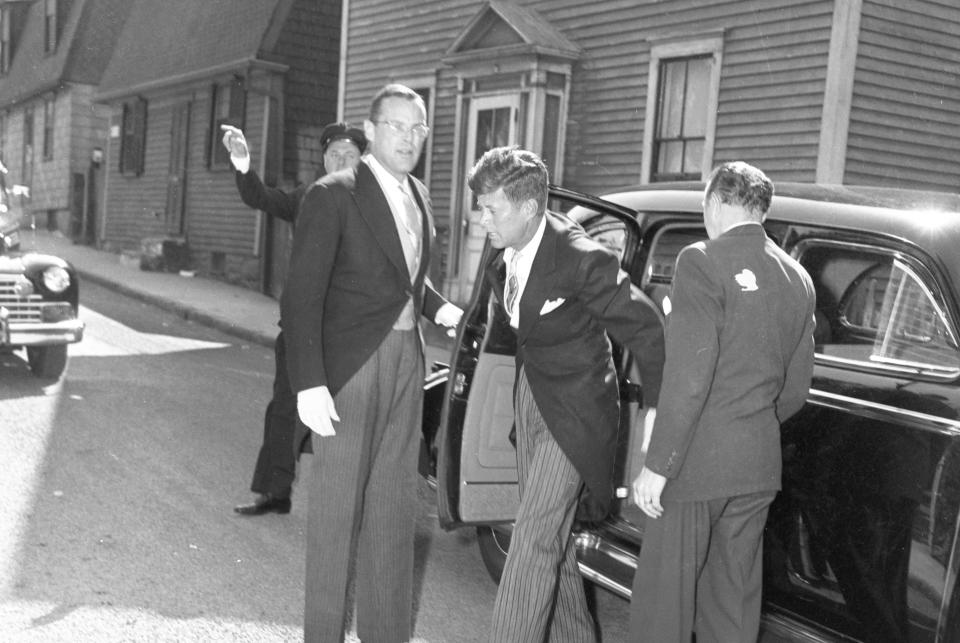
<point x="492" y="123"/>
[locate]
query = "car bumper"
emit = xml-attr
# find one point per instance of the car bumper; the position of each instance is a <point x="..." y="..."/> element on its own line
<point x="68" y="331"/>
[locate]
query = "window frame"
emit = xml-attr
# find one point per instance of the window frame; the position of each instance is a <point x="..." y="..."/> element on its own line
<point x="679" y="47"/>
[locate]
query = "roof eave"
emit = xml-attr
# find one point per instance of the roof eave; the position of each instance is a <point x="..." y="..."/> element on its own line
<point x="243" y="64"/>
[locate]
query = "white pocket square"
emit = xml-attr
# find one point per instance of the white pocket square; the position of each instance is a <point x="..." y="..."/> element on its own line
<point x="551" y="304"/>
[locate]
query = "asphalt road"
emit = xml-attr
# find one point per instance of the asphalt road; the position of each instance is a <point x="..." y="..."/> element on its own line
<point x="116" y="519"/>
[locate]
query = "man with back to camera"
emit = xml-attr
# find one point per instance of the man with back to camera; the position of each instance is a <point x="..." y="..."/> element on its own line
<point x="356" y="289"/>
<point x="563" y="292"/>
<point x="739" y="361"/>
<point x="283" y="439"/>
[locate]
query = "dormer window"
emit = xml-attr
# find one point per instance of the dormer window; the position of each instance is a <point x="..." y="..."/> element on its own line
<point x="50" y="26"/>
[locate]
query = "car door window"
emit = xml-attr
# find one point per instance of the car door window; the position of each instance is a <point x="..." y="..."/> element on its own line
<point x="878" y="309"/>
<point x="655" y="281"/>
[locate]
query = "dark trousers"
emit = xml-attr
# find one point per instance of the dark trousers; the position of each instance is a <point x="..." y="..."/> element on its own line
<point x="701" y="569"/>
<point x="362" y="504"/>
<point x="276" y="463"/>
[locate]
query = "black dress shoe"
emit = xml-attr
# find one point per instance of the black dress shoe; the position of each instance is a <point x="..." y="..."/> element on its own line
<point x="264" y="504"/>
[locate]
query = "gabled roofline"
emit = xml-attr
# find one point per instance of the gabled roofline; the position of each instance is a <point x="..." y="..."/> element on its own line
<point x="539" y="36"/>
<point x="242" y="64"/>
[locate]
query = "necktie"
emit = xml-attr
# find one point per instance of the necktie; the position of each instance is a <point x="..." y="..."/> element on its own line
<point x="411" y="222"/>
<point x="513" y="285"/>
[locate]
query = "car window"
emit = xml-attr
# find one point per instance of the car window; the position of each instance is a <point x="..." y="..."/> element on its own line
<point x="662" y="260"/>
<point x="878" y="309"/>
<point x="604" y="228"/>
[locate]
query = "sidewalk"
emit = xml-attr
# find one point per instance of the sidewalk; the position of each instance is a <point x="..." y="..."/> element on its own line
<point x="238" y="311"/>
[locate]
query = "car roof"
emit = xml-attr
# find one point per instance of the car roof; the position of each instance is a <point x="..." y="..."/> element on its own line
<point x="930" y="220"/>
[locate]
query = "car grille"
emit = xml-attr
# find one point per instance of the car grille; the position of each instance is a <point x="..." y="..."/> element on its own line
<point x="21" y="310"/>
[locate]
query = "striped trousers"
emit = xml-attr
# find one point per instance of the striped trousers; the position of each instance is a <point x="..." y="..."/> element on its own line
<point x="541" y="596"/>
<point x="362" y="503"/>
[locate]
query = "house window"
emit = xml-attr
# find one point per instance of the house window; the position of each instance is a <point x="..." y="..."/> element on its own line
<point x="229" y="106"/>
<point x="684" y="82"/>
<point x="133" y="141"/>
<point x="5" y="48"/>
<point x="50" y="26"/>
<point x="28" y="147"/>
<point x="681" y="130"/>
<point x="48" y="129"/>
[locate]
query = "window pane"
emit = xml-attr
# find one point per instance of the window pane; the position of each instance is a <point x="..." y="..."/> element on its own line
<point x="695" y="102"/>
<point x="912" y="330"/>
<point x="671" y="157"/>
<point x="693" y="157"/>
<point x="872" y="308"/>
<point x="493" y="129"/>
<point x="682" y="118"/>
<point x="671" y="98"/>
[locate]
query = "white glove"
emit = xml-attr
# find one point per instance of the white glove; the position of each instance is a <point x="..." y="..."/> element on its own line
<point x="236" y="144"/>
<point x="449" y="315"/>
<point x="316" y="410"/>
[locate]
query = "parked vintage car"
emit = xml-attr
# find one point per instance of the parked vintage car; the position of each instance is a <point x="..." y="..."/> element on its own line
<point x="862" y="543"/>
<point x="39" y="295"/>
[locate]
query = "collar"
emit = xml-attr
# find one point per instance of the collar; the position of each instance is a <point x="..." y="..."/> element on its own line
<point x="386" y="179"/>
<point x="741" y="225"/>
<point x="531" y="246"/>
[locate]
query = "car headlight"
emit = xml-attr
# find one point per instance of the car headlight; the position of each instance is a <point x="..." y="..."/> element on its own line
<point x="56" y="279"/>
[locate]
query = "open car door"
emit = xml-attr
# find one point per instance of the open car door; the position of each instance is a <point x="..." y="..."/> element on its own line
<point x="476" y="458"/>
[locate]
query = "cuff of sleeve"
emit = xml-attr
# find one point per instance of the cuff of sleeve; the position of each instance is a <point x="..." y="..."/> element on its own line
<point x="242" y="164"/>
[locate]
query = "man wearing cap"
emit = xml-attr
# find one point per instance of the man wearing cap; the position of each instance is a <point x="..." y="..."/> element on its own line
<point x="274" y="472"/>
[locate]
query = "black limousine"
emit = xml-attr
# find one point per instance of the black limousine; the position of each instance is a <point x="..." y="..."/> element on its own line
<point x="862" y="543"/>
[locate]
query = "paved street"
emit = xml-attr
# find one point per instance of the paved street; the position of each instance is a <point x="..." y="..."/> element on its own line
<point x="115" y="515"/>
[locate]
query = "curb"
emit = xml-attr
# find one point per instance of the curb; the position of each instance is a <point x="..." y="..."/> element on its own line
<point x="186" y="312"/>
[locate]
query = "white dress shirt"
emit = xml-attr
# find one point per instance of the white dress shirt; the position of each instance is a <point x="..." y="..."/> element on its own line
<point x="525" y="257"/>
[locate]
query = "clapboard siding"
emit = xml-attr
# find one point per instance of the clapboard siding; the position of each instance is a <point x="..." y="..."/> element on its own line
<point x="135" y="207"/>
<point x="905" y="118"/>
<point x="773" y="78"/>
<point x="216" y="220"/>
<point x="309" y="44"/>
<point x="50" y="190"/>
<point x="771" y="94"/>
<point x="769" y="46"/>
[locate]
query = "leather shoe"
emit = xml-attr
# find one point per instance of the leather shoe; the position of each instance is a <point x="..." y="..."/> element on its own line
<point x="265" y="503"/>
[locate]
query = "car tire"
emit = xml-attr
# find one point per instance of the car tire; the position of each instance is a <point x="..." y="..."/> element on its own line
<point x="47" y="361"/>
<point x="494" y="545"/>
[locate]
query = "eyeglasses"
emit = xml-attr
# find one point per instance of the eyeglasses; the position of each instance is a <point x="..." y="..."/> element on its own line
<point x="401" y="129"/>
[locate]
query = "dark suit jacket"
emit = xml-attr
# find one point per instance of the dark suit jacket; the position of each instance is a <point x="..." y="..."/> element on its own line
<point x="274" y="201"/>
<point x="739" y="362"/>
<point x="348" y="278"/>
<point x="566" y="354"/>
